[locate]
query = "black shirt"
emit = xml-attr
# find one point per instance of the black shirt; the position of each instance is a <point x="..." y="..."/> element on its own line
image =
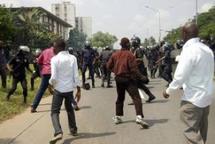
<point x="18" y="64"/>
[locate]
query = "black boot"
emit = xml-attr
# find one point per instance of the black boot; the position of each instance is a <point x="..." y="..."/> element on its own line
<point x="151" y="98"/>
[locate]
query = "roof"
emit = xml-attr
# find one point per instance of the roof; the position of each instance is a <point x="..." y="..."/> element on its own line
<point x="48" y="13"/>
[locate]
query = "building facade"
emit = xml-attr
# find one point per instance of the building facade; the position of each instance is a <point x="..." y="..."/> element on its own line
<point x="84" y="24"/>
<point x="65" y="11"/>
<point x="53" y="23"/>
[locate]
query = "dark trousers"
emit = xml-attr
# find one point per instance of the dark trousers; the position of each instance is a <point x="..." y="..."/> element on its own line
<point x="195" y="122"/>
<point x="3" y="74"/>
<point x="123" y="85"/>
<point x="142" y="68"/>
<point x="43" y="86"/>
<point x="14" y="86"/>
<point x="91" y="72"/>
<point x="142" y="86"/>
<point x="55" y="111"/>
<point x="153" y="71"/>
<point x="33" y="77"/>
<point x="167" y="73"/>
<point x="105" y="74"/>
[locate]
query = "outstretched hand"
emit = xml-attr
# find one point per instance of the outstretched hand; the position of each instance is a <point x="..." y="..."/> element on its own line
<point x="165" y="95"/>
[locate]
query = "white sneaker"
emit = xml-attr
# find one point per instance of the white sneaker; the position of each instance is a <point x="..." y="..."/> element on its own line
<point x="117" y="119"/>
<point x="56" y="138"/>
<point x="140" y="121"/>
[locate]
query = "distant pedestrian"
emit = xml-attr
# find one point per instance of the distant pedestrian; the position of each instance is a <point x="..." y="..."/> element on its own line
<point x="17" y="66"/>
<point x="3" y="66"/>
<point x="64" y="78"/>
<point x="88" y="58"/>
<point x="44" y="61"/>
<point x="195" y="72"/>
<point x="123" y="64"/>
<point x="106" y="73"/>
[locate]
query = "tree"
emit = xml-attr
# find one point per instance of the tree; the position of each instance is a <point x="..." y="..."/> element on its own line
<point x="145" y="43"/>
<point x="206" y="24"/>
<point x="149" y="42"/>
<point x="101" y="40"/>
<point x="152" y="41"/>
<point x="76" y="39"/>
<point x="6" y="25"/>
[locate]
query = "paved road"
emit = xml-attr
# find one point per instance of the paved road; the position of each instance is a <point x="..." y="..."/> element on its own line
<point x="95" y="122"/>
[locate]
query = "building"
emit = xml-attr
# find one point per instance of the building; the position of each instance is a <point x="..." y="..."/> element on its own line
<point x="65" y="11"/>
<point x="54" y="24"/>
<point x="84" y="24"/>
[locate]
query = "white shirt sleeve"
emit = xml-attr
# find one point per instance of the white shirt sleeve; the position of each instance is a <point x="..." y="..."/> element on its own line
<point x="183" y="70"/>
<point x="76" y="74"/>
<point x="52" y="80"/>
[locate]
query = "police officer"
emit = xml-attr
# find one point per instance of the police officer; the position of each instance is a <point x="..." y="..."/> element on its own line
<point x="36" y="72"/>
<point x="17" y="66"/>
<point x="106" y="74"/>
<point x="97" y="64"/>
<point x="139" y="54"/>
<point x="167" y="63"/>
<point x="152" y="59"/>
<point x="88" y="59"/>
<point x="3" y="65"/>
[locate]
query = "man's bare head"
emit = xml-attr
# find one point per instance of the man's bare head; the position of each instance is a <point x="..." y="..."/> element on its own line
<point x="190" y="30"/>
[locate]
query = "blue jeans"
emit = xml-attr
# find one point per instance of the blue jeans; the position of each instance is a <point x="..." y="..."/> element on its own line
<point x="43" y="86"/>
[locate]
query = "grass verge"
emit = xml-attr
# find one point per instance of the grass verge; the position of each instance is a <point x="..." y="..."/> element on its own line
<point x="15" y="105"/>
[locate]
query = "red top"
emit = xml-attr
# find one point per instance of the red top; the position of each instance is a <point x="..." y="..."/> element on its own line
<point x="44" y="61"/>
<point x="122" y="63"/>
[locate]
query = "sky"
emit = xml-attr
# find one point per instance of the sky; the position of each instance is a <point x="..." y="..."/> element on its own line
<point x="130" y="17"/>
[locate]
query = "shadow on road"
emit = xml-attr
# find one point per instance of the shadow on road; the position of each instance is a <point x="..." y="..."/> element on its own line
<point x="88" y="136"/>
<point x="153" y="102"/>
<point x="157" y="101"/>
<point x="151" y="122"/>
<point x="85" y="107"/>
<point x="7" y="141"/>
<point x="81" y="108"/>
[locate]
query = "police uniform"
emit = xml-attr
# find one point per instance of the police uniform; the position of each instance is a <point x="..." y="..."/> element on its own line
<point x="19" y="63"/>
<point x="167" y="65"/>
<point x="88" y="56"/>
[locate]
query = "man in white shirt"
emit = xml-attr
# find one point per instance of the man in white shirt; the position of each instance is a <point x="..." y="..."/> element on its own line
<point x="64" y="79"/>
<point x="195" y="72"/>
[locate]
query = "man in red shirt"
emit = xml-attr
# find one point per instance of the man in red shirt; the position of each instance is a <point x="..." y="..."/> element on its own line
<point x="44" y="61"/>
<point x="123" y="64"/>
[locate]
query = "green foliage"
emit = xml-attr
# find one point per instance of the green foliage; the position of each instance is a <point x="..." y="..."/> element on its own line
<point x="76" y="39"/>
<point x="15" y="105"/>
<point x="29" y="29"/>
<point x="6" y="25"/>
<point x="23" y="27"/>
<point x="145" y="43"/>
<point x="149" y="42"/>
<point x="173" y="36"/>
<point x="101" y="40"/>
<point x="206" y="23"/>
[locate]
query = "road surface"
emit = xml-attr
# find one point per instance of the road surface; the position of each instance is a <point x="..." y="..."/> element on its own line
<point x="95" y="125"/>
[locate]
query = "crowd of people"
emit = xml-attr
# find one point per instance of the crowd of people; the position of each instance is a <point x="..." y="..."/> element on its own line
<point x="59" y="66"/>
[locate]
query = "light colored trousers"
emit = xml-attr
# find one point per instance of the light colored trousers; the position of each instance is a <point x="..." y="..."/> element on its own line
<point x="195" y="121"/>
